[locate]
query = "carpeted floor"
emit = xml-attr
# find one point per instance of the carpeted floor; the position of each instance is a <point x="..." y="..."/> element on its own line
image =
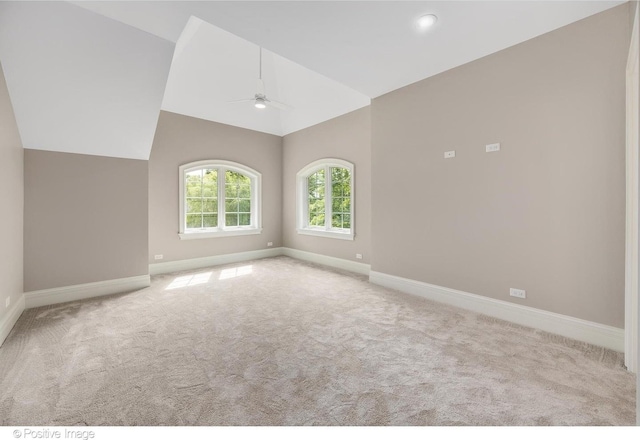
<point x="282" y="342"/>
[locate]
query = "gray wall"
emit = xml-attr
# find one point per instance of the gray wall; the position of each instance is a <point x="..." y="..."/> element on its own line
<point x="11" y="200"/>
<point x="346" y="137"/>
<point x="182" y="139"/>
<point x="85" y="219"/>
<point x="545" y="214"/>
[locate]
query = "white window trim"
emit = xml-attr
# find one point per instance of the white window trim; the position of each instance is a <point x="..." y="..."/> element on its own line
<point x="221" y="230"/>
<point x="302" y="208"/>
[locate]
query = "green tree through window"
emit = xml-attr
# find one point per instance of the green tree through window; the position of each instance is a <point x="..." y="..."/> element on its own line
<point x="325" y="199"/>
<point x="202" y="198"/>
<point x="315" y="185"/>
<point x="237" y="199"/>
<point x="219" y="197"/>
<point x="340" y="198"/>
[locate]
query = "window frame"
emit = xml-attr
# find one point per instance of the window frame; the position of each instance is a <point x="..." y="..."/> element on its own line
<point x="302" y="202"/>
<point x="221" y="230"/>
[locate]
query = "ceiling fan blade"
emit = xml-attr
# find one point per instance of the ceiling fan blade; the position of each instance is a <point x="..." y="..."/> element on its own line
<point x="278" y="105"/>
<point x="241" y="100"/>
<point x="260" y="87"/>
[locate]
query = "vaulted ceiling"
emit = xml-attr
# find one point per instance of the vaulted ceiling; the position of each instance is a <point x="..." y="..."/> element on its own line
<point x="213" y="68"/>
<point x="91" y="77"/>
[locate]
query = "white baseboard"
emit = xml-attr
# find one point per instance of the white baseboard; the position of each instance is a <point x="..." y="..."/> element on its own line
<point x="216" y="260"/>
<point x="10" y="319"/>
<point x="58" y="295"/>
<point x="352" y="266"/>
<point x="574" y="328"/>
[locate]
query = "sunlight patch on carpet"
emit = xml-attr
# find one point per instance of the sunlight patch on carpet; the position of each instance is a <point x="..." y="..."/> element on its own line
<point x="190" y="280"/>
<point x="235" y="272"/>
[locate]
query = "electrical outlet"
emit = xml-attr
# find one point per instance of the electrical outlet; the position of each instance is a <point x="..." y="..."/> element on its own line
<point x="7" y="302"/>
<point x="490" y="148"/>
<point x="359" y="256"/>
<point x="270" y="244"/>
<point x="158" y="257"/>
<point x="449" y="154"/>
<point x="518" y="293"/>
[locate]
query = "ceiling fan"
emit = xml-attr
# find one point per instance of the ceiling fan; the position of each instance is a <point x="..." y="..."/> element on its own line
<point x="260" y="99"/>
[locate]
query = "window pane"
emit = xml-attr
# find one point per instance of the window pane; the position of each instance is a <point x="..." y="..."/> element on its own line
<point x="210" y="220"/>
<point x="316" y="219"/>
<point x="339" y="174"/>
<point x="316" y="212"/>
<point x="341" y="200"/>
<point x="245" y="219"/>
<point x="336" y="221"/>
<point x="210" y="183"/>
<point x="315" y="186"/>
<point x="336" y="204"/>
<point x="244" y="205"/>
<point x="341" y="205"/>
<point x="235" y="183"/>
<point x="194" y="205"/>
<point x="194" y="221"/>
<point x="237" y="178"/>
<point x="340" y="182"/>
<point x="231" y="191"/>
<point x="237" y="199"/>
<point x="210" y="205"/>
<point x="245" y="191"/>
<point x="193" y="183"/>
<point x="231" y="205"/>
<point x="201" y="191"/>
<point x="231" y="220"/>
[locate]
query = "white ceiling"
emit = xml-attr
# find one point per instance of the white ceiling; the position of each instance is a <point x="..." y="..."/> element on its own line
<point x="92" y="79"/>
<point x="212" y="67"/>
<point x="80" y="82"/>
<point x="371" y="46"/>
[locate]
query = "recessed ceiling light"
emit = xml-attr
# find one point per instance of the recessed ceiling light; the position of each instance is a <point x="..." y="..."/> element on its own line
<point x="427" y="21"/>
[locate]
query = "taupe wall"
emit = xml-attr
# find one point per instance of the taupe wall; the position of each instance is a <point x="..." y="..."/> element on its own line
<point x="182" y="139"/>
<point x="546" y="213"/>
<point x="11" y="200"/>
<point x="346" y="137"/>
<point x="85" y="219"/>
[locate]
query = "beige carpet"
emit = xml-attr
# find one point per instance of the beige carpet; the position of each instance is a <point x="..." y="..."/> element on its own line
<point x="281" y="342"/>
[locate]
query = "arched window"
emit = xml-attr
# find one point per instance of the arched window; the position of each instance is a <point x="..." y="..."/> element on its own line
<point x="325" y="199"/>
<point x="219" y="198"/>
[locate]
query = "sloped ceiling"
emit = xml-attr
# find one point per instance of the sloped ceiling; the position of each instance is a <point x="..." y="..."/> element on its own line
<point x="91" y="77"/>
<point x="80" y="82"/>
<point x="370" y="46"/>
<point x="212" y="68"/>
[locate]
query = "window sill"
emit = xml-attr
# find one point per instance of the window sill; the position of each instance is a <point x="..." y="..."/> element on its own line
<point x="328" y="234"/>
<point x="220" y="233"/>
